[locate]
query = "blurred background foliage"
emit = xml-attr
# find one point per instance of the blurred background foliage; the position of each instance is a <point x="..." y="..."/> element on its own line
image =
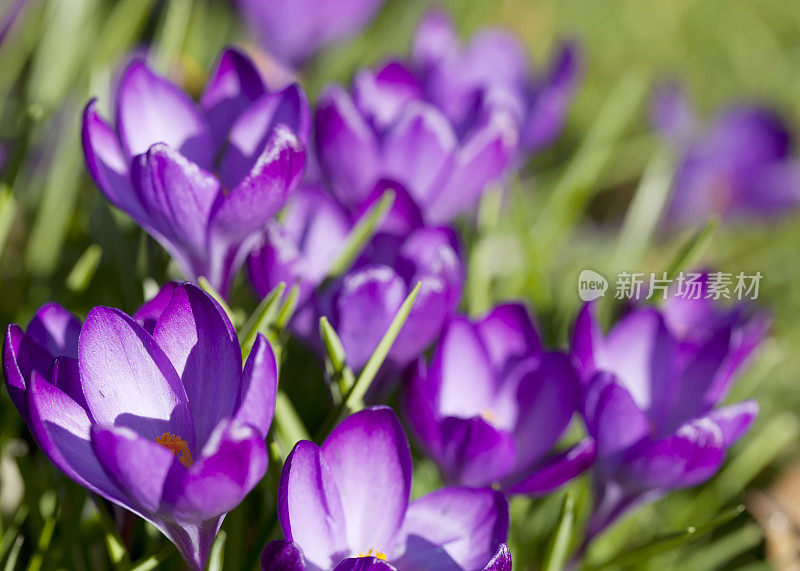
<point x="568" y="210"/>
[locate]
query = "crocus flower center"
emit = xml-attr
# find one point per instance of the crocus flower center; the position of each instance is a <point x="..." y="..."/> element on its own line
<point x="177" y="446"/>
<point x="376" y="553"/>
<point x="488" y="416"/>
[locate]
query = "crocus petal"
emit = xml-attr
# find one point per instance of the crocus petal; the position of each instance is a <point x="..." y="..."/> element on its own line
<point x="242" y="217"/>
<point x="557" y="471"/>
<point x="56" y="329"/>
<point x="671" y="113"/>
<point x="641" y="352"/>
<point x="421" y="406"/>
<point x="256" y="399"/>
<point x="508" y="334"/>
<point x="367" y="303"/>
<point x="136" y="465"/>
<point x="501" y="560"/>
<point x="419" y="149"/>
<point x="233" y="85"/>
<point x="178" y="197"/>
<point x="482" y="160"/>
<point x="107" y="163"/>
<point x="66" y="375"/>
<point x="309" y="507"/>
<point x="263" y="192"/>
<point x="193" y="541"/>
<point x="435" y="38"/>
<point x="364" y="564"/>
<point x="690" y="456"/>
<point x="382" y="95"/>
<point x="196" y="335"/>
<point x="586" y="339"/>
<point x="282" y="555"/>
<point x="612" y="417"/>
<point x="151" y="109"/>
<point x="128" y="380"/>
<point x="474" y="453"/>
<point x="62" y="430"/>
<point x="547" y="398"/>
<point x="347" y="147"/>
<point x="21" y="356"/>
<point x="552" y="101"/>
<point x="735" y="420"/>
<point x="403" y="218"/>
<point x="454" y="528"/>
<point x="463" y="364"/>
<point x="253" y="130"/>
<point x="147" y="315"/>
<point x="232" y="462"/>
<point x="370" y="461"/>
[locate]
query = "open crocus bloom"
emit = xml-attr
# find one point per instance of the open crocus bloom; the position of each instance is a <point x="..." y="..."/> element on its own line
<point x="493" y="70"/>
<point x="386" y="129"/>
<point x="362" y="303"/>
<point x="650" y="402"/>
<point x="294" y="30"/>
<point x="204" y="180"/>
<point x="345" y="505"/>
<point x="492" y="404"/>
<point x="124" y="409"/>
<point x="741" y="166"/>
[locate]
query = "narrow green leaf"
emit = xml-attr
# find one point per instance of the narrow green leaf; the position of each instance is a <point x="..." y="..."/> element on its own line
<point x="723" y="550"/>
<point x="154" y="560"/>
<point x="694" y="247"/>
<point x="8" y="209"/>
<point x="172" y="34"/>
<point x="10" y="534"/>
<point x="217" y="555"/>
<point x="209" y="289"/>
<point x="557" y="551"/>
<point x="670" y="541"/>
<point x="121" y="27"/>
<point x="84" y="269"/>
<point x="354" y="400"/>
<point x="287" y="423"/>
<point x="260" y="320"/>
<point x="11" y="562"/>
<point x="361" y="234"/>
<point x="117" y="551"/>
<point x="339" y="374"/>
<point x="288" y="308"/>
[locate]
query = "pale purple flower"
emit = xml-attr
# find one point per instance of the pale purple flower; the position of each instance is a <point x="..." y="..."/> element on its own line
<point x="651" y="396"/>
<point x="361" y="304"/>
<point x="124" y="409"/>
<point x="204" y="180"/>
<point x="493" y="70"/>
<point x="492" y="404"/>
<point x="294" y="30"/>
<point x="740" y="166"/>
<point x="386" y="129"/>
<point x="346" y="505"/>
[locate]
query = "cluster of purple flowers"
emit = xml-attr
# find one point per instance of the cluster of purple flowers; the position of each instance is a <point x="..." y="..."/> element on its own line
<point x="158" y="413"/>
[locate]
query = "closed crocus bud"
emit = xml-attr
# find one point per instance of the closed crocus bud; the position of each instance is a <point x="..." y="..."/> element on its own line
<point x="492" y="404"/>
<point x="740" y="166"/>
<point x="294" y="30"/>
<point x="124" y="410"/>
<point x="203" y="179"/>
<point x="651" y="403"/>
<point x="346" y="505"/>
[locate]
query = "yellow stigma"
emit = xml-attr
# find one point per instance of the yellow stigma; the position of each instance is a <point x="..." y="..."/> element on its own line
<point x="177" y="446"/>
<point x="376" y="553"/>
<point x="488" y="416"/>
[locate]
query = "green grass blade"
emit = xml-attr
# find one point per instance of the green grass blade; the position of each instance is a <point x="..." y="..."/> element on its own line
<point x="261" y="319"/>
<point x="209" y="289"/>
<point x="557" y="551"/>
<point x="83" y="270"/>
<point x="694" y="247"/>
<point x="154" y="560"/>
<point x="217" y="556"/>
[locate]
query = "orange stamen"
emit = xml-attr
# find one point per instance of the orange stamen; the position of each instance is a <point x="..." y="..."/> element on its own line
<point x="177" y="446"/>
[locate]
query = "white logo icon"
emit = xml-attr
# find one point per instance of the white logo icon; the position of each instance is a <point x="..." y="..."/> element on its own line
<point x="591" y="285"/>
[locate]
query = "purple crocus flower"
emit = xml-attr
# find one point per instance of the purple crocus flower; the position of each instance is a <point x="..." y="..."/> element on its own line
<point x="493" y="70"/>
<point x="124" y="409"/>
<point x="345" y="505"/>
<point x="386" y="129"/>
<point x="740" y="166"/>
<point x="294" y="30"/>
<point x="361" y="304"/>
<point x="158" y="163"/>
<point x="492" y="404"/>
<point x="650" y="402"/>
